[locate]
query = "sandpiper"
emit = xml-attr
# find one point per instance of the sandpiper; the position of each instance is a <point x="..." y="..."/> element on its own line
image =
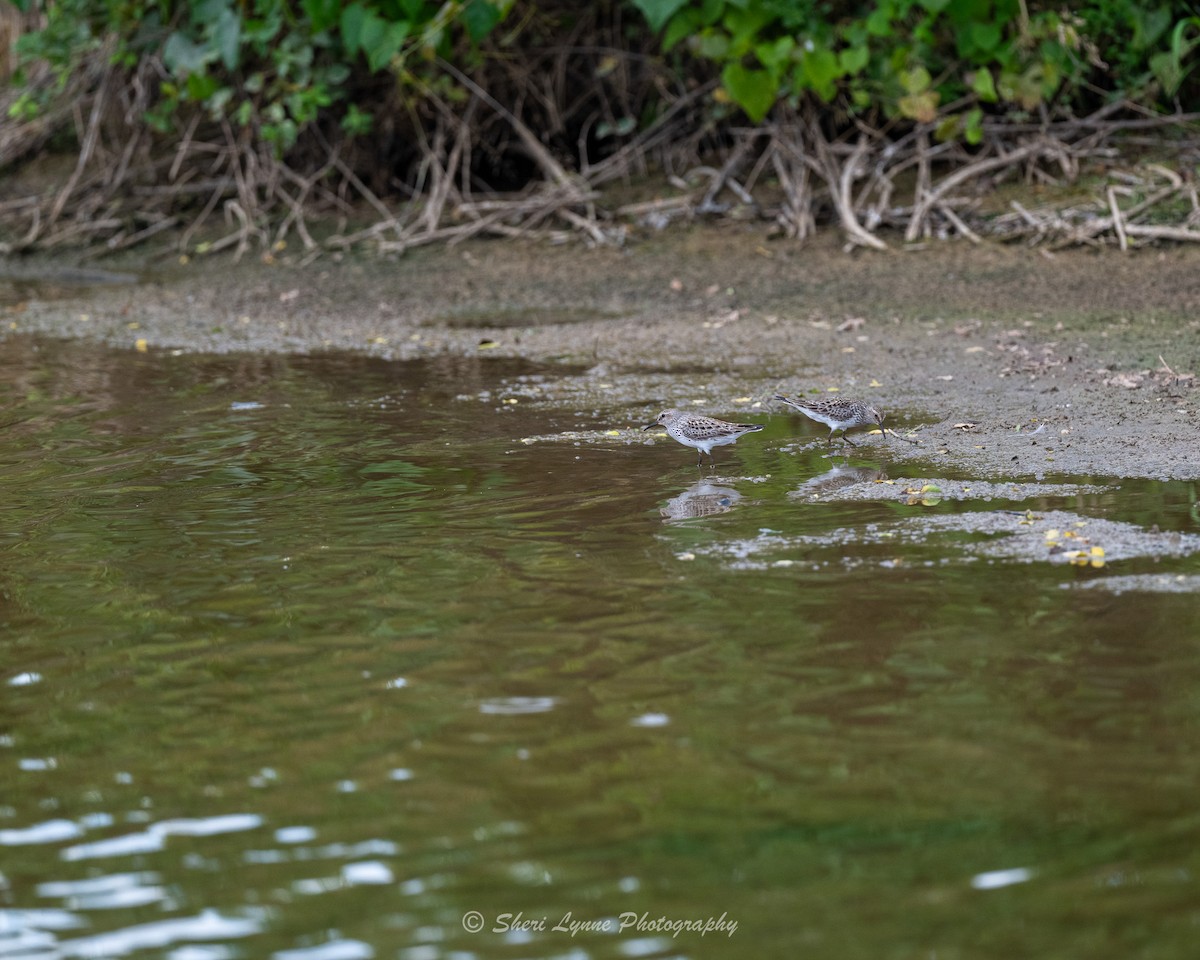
<point x="837" y="413"/>
<point x="703" y="433"/>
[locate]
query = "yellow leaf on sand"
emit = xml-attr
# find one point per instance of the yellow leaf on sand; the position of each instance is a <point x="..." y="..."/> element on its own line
<point x="612" y="433"/>
<point x="876" y="383"/>
<point x="141" y="345"/>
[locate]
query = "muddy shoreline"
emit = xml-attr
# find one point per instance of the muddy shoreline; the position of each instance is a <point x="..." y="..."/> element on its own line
<point x="1000" y="361"/>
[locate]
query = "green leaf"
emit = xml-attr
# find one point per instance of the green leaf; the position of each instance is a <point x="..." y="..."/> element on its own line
<point x="680" y="27"/>
<point x="1149" y="25"/>
<point x="752" y="90"/>
<point x="745" y="27"/>
<point x="480" y="17"/>
<point x="916" y="80"/>
<point x="984" y="86"/>
<point x="226" y="37"/>
<point x="773" y="56"/>
<point x="710" y="12"/>
<point x="206" y="11"/>
<point x="200" y="86"/>
<point x="879" y="23"/>
<point x="322" y="14"/>
<point x="973" y="127"/>
<point x="219" y="100"/>
<point x="1168" y="67"/>
<point x="921" y="107"/>
<point x="985" y="36"/>
<point x="372" y="38"/>
<point x="336" y="74"/>
<point x="381" y="46"/>
<point x="353" y="19"/>
<point x="658" y="12"/>
<point x="947" y="129"/>
<point x="261" y="31"/>
<point x="357" y="122"/>
<point x="854" y="59"/>
<point x="184" y="56"/>
<point x="714" y="45"/>
<point x="820" y="70"/>
<point x="1024" y="88"/>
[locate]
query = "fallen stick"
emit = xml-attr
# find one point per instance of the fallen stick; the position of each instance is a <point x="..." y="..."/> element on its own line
<point x="1118" y="224"/>
<point x="1161" y="232"/>
<point x="959" y="225"/>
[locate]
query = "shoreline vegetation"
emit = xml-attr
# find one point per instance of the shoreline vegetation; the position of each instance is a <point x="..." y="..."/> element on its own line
<point x="211" y="126"/>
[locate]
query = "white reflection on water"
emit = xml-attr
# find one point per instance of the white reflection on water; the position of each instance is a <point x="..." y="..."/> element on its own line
<point x="334" y="950"/>
<point x="367" y="872"/>
<point x="332" y="851"/>
<point x="109" y="892"/>
<point x="50" y="919"/>
<point x="51" y="831"/>
<point x="511" y="706"/>
<point x="207" y="925"/>
<point x="297" y="834"/>
<point x="155" y="837"/>
<point x="650" y="720"/>
<point x="995" y="879"/>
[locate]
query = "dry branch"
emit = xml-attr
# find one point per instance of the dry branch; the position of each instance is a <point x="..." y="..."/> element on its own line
<point x="126" y="188"/>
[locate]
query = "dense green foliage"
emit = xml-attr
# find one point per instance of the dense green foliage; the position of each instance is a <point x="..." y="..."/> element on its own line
<point x="279" y="64"/>
<point x="273" y="63"/>
<point x="285" y="74"/>
<point x="921" y="59"/>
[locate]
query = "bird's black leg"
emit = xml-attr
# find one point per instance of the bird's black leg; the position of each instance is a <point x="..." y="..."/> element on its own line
<point x="849" y="441"/>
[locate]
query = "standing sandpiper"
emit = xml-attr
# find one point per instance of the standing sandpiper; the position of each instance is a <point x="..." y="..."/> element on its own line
<point x="838" y="413"/>
<point x="703" y="433"/>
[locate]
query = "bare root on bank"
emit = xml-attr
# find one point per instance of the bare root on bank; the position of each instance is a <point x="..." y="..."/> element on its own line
<point x="220" y="188"/>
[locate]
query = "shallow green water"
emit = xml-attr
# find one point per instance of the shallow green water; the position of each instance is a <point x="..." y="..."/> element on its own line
<point x="311" y="658"/>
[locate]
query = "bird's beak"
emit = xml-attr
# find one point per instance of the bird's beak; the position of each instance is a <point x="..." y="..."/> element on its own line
<point x="652" y="423"/>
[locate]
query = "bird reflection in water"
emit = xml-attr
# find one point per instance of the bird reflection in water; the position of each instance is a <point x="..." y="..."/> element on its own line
<point x="837" y="479"/>
<point x="701" y="499"/>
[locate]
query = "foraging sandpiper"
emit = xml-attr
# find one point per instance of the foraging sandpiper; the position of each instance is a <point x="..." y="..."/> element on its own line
<point x="703" y="433"/>
<point x="837" y="413"/>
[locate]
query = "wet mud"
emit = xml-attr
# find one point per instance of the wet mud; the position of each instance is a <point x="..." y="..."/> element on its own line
<point x="1000" y="363"/>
